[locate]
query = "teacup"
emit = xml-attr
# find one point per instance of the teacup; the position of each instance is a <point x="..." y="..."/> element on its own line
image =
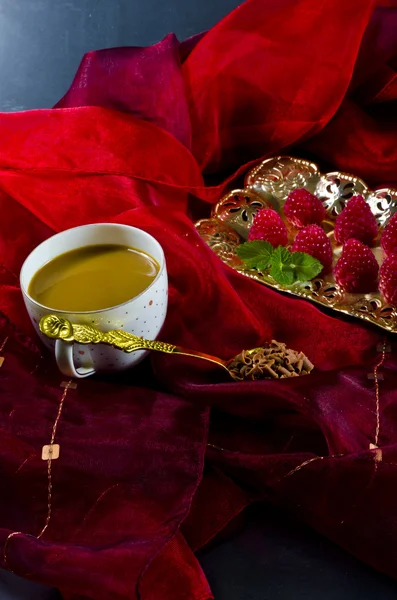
<point x="142" y="315"/>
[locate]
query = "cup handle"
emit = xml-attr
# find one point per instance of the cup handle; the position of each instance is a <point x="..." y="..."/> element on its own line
<point x="65" y="362"/>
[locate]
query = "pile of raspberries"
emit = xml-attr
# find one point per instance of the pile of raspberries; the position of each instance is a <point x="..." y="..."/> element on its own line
<point x="357" y="270"/>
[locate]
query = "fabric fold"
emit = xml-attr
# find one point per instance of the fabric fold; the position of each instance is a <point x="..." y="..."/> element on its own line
<point x="134" y="141"/>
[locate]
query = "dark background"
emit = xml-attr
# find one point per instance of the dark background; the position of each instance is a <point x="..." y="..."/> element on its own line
<point x="43" y="41"/>
<point x="269" y="556"/>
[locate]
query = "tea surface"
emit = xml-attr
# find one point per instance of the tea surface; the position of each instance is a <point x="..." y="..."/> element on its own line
<point x="93" y="278"/>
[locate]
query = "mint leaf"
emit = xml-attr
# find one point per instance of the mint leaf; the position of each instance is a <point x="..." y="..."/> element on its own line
<point x="263" y="265"/>
<point x="283" y="274"/>
<point x="255" y="254"/>
<point x="305" y="266"/>
<point x="282" y="270"/>
<point x="281" y="256"/>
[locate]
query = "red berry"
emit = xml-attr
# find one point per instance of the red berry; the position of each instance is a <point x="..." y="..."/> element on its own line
<point x="303" y="208"/>
<point x="357" y="269"/>
<point x="268" y="226"/>
<point x="388" y="279"/>
<point x="388" y="239"/>
<point x="313" y="240"/>
<point x="356" y="221"/>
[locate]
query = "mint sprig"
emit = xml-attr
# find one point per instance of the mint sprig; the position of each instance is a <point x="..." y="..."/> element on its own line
<point x="284" y="266"/>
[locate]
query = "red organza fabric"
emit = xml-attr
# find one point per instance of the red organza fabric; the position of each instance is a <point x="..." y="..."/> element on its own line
<point x="155" y="463"/>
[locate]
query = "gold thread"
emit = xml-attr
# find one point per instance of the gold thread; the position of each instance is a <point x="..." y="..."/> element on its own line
<point x="24" y="463"/>
<point x="219" y="448"/>
<point x="49" y="475"/>
<point x="2" y="359"/>
<point x="55" y="426"/>
<point x="49" y="461"/>
<point x="11" y="535"/>
<point x="72" y="386"/>
<point x="377" y="394"/>
<point x="36" y="367"/>
<point x="306" y="462"/>
<point x="3" y="344"/>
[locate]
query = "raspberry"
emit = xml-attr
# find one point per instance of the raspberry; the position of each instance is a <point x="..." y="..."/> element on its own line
<point x="357" y="269"/>
<point x="313" y="240"/>
<point x="356" y="221"/>
<point x="302" y="208"/>
<point x="388" y="279"/>
<point x="388" y="239"/>
<point x="268" y="226"/>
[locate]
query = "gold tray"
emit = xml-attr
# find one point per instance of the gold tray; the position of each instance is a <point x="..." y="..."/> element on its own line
<point x="269" y="184"/>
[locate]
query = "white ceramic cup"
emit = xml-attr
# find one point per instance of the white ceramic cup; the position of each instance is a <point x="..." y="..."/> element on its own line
<point x="143" y="315"/>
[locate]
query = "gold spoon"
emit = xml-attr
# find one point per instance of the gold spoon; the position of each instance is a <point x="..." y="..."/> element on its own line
<point x="272" y="361"/>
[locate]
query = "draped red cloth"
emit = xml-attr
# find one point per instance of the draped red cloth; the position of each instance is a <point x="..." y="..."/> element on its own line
<point x="155" y="463"/>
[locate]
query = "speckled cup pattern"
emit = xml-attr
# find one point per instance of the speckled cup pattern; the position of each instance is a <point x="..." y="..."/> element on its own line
<point x="143" y="315"/>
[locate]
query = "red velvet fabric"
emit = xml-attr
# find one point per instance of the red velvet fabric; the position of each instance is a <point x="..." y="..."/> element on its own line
<point x="138" y="139"/>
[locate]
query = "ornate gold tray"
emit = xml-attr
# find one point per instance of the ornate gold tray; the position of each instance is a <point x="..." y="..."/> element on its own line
<point x="269" y="184"/>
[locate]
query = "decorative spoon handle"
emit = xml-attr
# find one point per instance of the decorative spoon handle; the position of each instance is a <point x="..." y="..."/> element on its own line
<point x="55" y="327"/>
